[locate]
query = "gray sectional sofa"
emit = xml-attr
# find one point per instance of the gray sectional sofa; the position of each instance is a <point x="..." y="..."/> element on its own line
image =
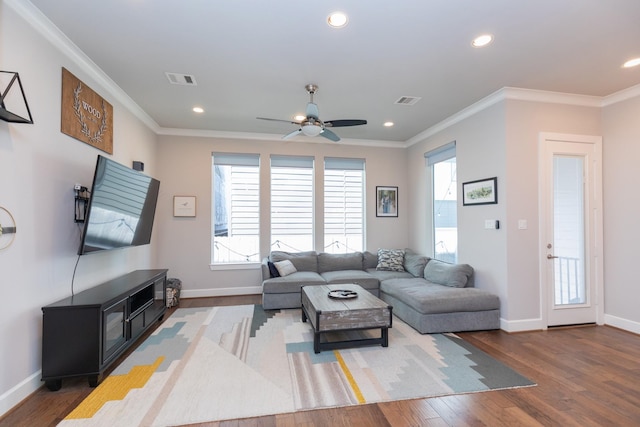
<point x="430" y="295"/>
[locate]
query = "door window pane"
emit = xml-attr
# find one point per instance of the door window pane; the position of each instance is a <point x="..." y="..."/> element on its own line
<point x="568" y="222"/>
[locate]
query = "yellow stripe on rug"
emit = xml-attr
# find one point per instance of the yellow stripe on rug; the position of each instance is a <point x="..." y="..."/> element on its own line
<point x="114" y="387"/>
<point x="352" y="381"/>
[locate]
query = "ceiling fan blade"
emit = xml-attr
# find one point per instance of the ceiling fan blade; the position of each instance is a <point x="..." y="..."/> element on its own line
<point x="278" y="120"/>
<point x="330" y="135"/>
<point x="346" y="122"/>
<point x="292" y="134"/>
<point x="312" y="110"/>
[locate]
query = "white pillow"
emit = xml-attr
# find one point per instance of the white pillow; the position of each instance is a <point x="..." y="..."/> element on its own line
<point x="285" y="267"/>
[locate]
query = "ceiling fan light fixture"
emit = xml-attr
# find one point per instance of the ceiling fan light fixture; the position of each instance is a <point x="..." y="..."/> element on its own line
<point x="337" y="20"/>
<point x="311" y="129"/>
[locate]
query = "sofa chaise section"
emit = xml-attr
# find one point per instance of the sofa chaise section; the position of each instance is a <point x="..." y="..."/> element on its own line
<point x="443" y="300"/>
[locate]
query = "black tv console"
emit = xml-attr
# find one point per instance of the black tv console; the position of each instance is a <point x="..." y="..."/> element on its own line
<point x="84" y="334"/>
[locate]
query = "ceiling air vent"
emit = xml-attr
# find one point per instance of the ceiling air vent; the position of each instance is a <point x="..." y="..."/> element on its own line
<point x="408" y="100"/>
<point x="181" y="79"/>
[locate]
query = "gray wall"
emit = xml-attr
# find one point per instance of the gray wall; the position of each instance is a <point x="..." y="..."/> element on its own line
<point x="500" y="140"/>
<point x="185" y="166"/>
<point x="621" y="151"/>
<point x="38" y="169"/>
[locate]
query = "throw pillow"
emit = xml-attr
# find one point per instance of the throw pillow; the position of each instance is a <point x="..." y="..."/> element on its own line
<point x="442" y="273"/>
<point x="390" y="260"/>
<point x="415" y="263"/>
<point x="285" y="267"/>
<point x="273" y="271"/>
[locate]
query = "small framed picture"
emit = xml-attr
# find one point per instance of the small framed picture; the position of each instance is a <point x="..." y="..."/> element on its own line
<point x="387" y="201"/>
<point x="480" y="192"/>
<point x="184" y="206"/>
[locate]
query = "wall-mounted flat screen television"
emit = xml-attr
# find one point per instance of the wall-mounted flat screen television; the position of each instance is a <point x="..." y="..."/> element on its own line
<point x="121" y="208"/>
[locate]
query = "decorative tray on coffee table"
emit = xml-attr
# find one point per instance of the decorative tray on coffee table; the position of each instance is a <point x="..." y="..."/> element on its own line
<point x="342" y="294"/>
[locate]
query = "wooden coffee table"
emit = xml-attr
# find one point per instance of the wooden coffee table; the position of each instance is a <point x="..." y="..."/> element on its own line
<point x="332" y="315"/>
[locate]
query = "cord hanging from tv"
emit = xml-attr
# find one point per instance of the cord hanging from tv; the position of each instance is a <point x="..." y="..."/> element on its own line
<point x="121" y="208"/>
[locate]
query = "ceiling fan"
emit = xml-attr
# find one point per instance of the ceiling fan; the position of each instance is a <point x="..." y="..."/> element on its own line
<point x="312" y="125"/>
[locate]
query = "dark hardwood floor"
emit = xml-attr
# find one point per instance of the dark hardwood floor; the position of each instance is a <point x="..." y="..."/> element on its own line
<point x="586" y="376"/>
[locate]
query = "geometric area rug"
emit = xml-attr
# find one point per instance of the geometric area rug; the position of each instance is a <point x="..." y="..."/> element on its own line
<point x="219" y="363"/>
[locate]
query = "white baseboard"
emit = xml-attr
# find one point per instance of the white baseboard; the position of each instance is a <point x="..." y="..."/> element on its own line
<point x="537" y="324"/>
<point x="20" y="392"/>
<point x="617" y="322"/>
<point x="521" y="325"/>
<point x="220" y="292"/>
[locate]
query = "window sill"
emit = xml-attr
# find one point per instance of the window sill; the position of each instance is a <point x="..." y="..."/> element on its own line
<point x="236" y="266"/>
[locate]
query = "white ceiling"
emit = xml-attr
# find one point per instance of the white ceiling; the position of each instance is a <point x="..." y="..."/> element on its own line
<point x="253" y="58"/>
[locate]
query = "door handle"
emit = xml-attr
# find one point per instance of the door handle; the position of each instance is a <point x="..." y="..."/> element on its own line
<point x="549" y="256"/>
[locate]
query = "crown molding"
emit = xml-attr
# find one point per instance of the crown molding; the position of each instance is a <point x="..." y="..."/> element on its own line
<point x="39" y="22"/>
<point x="202" y="133"/>
<point x="622" y="95"/>
<point x="507" y="93"/>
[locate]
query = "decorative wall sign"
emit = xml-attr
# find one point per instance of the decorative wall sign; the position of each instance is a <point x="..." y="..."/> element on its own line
<point x="481" y="192"/>
<point x="184" y="206"/>
<point x="86" y="116"/>
<point x="387" y="201"/>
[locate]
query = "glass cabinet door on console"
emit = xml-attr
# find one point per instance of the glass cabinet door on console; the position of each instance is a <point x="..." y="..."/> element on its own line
<point x="115" y="332"/>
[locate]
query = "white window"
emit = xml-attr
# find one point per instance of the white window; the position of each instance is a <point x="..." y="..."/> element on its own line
<point x="442" y="162"/>
<point x="343" y="205"/>
<point x="236" y="208"/>
<point x="292" y="203"/>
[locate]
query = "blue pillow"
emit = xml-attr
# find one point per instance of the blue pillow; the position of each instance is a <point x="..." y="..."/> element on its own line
<point x="272" y="269"/>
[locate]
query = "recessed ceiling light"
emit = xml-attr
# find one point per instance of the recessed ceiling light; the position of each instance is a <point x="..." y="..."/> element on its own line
<point x="198" y="110"/>
<point x="388" y="124"/>
<point x="482" y="40"/>
<point x="632" y="63"/>
<point x="337" y="20"/>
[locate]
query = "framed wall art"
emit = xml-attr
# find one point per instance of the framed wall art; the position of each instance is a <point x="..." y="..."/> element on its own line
<point x="184" y="206"/>
<point x="387" y="201"/>
<point x="480" y="192"/>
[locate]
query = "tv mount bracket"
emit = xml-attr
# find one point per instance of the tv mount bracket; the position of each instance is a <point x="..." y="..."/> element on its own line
<point x="81" y="203"/>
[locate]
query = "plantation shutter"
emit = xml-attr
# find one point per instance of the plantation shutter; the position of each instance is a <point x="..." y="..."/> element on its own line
<point x="292" y="202"/>
<point x="344" y="204"/>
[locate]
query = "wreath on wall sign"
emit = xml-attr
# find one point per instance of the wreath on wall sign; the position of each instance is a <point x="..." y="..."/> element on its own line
<point x="84" y="128"/>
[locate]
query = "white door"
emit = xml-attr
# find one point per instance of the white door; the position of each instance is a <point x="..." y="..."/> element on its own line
<point x="571" y="229"/>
